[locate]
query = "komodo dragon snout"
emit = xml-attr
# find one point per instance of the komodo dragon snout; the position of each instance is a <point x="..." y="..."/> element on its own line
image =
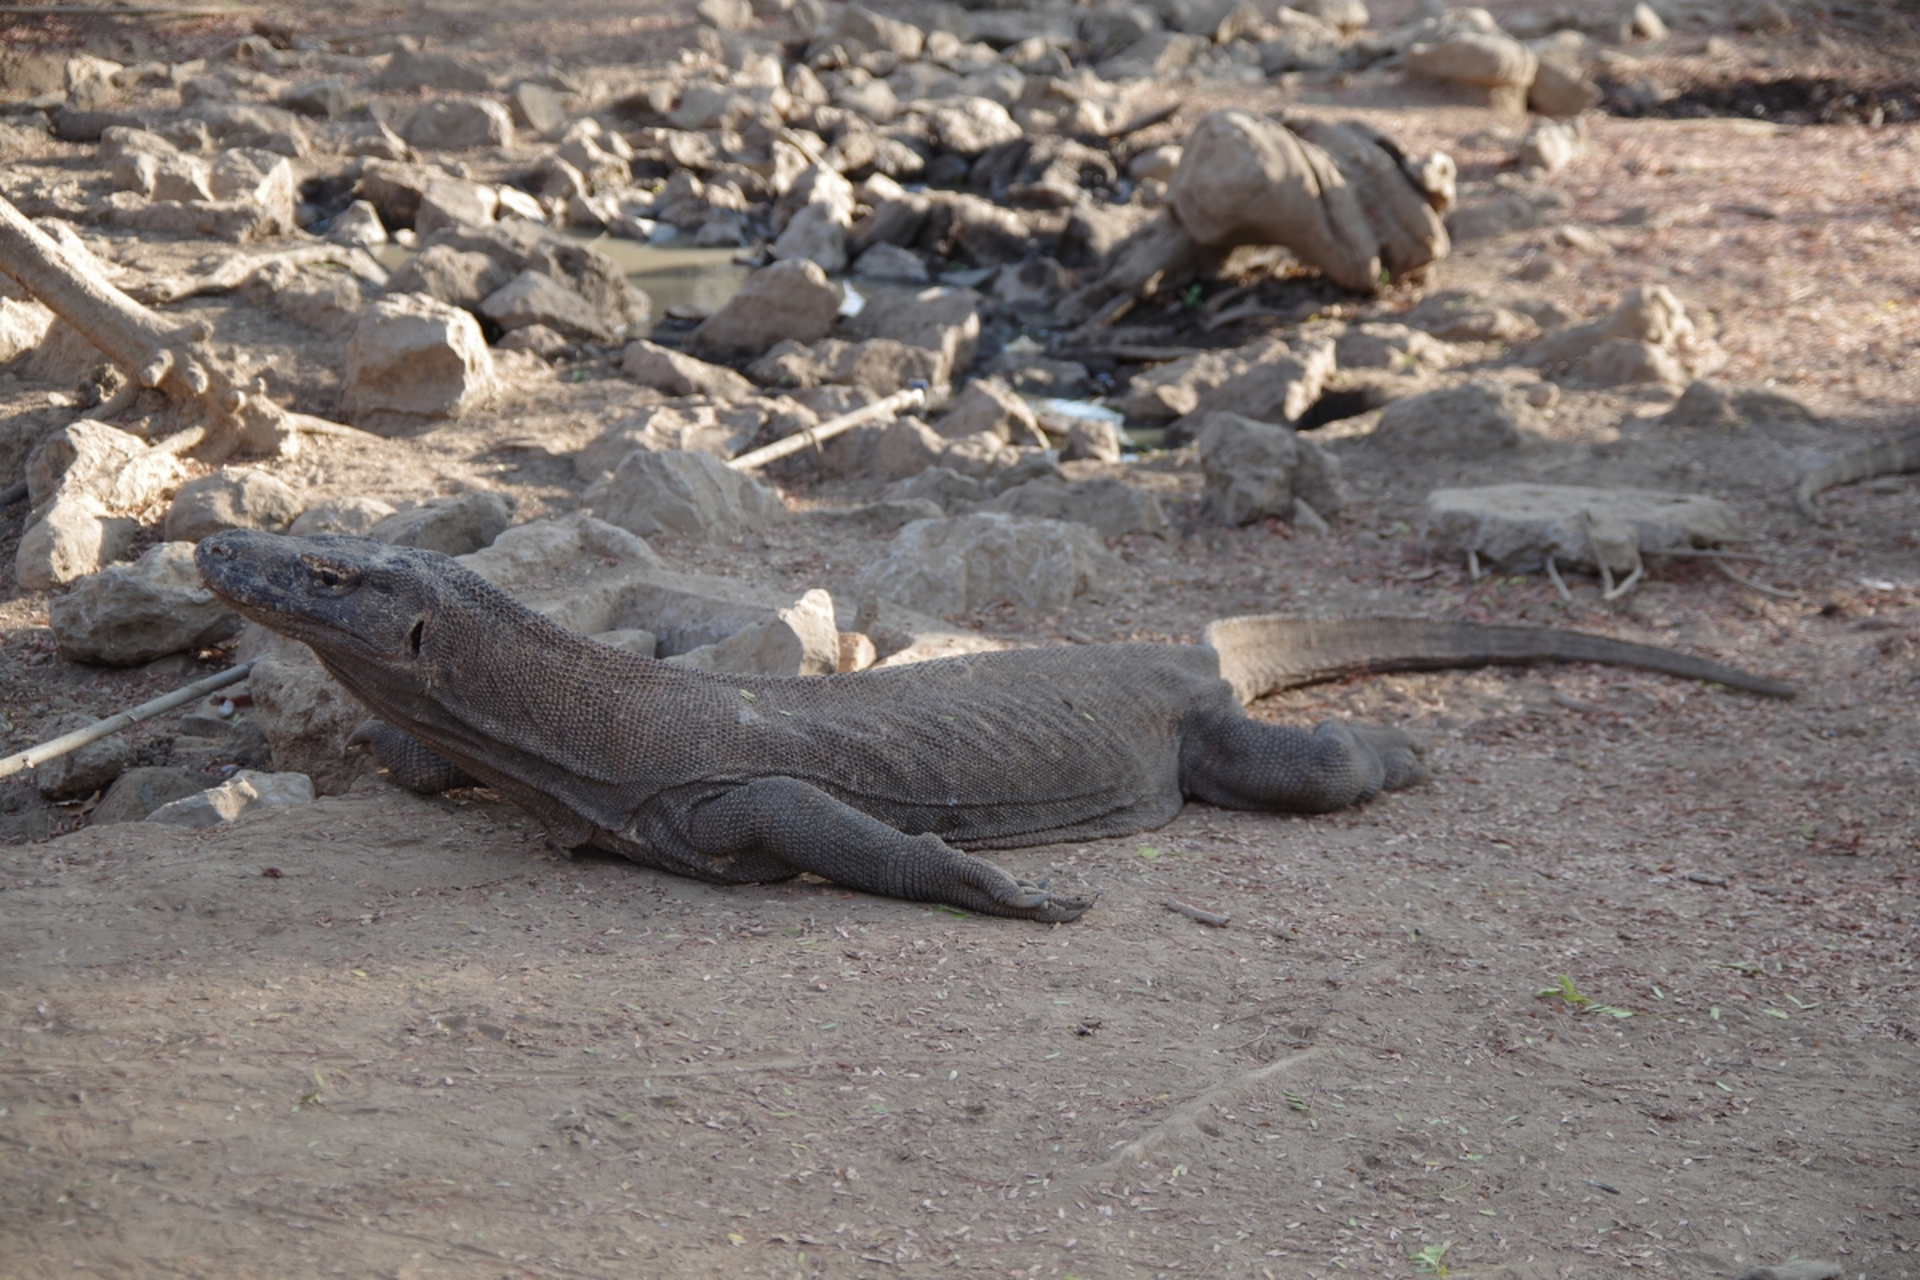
<point x="881" y="780"/>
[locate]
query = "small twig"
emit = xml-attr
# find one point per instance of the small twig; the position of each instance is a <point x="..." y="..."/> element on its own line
<point x="1779" y="593"/>
<point x="1559" y="584"/>
<point x="1207" y="918"/>
<point x="1626" y="585"/>
<point x="1473" y="565"/>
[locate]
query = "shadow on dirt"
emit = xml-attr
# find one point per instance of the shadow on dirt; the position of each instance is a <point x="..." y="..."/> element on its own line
<point x="1793" y="99"/>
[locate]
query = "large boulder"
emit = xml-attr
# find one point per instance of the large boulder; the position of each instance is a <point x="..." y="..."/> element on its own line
<point x="459" y="123"/>
<point x="1515" y="527"/>
<point x="691" y="494"/>
<point x="458" y="277"/>
<point x="236" y="498"/>
<point x="969" y="562"/>
<point x="1342" y="197"/>
<point x="90" y="486"/>
<point x="791" y="299"/>
<point x="414" y="359"/>
<point x="128" y="614"/>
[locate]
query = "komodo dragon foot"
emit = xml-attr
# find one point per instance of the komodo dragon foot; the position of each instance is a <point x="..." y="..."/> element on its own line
<point x="1403" y="757"/>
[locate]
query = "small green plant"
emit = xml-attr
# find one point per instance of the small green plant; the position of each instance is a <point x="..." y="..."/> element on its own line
<point x="1191" y="296"/>
<point x="1564" y="991"/>
<point x="1427" y="1261"/>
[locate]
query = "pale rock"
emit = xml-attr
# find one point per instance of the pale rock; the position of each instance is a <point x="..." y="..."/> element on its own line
<point x="1462" y="315"/>
<point x="515" y="203"/>
<point x="454" y="202"/>
<point x="1515" y="527"/>
<point x="305" y="715"/>
<point x="893" y="263"/>
<point x="248" y="792"/>
<point x="534" y="297"/>
<point x="968" y="562"/>
<point x="448" y="124"/>
<point x="1094" y="439"/>
<point x="576" y="570"/>
<point x="817" y="233"/>
<point x="679" y="374"/>
<point x="453" y="526"/>
<point x="1110" y="507"/>
<point x="351" y="516"/>
<point x="908" y="446"/>
<point x="1468" y="421"/>
<point x="878" y="32"/>
<point x="537" y="340"/>
<point x="536" y="108"/>
<point x="459" y="278"/>
<point x="1623" y="361"/>
<point x="989" y="405"/>
<point x="326" y="98"/>
<point x="417" y="69"/>
<point x="235" y="498"/>
<point x="413" y="359"/>
<point x="1255" y="470"/>
<point x="1488" y="60"/>
<point x="1034" y="285"/>
<point x="1390" y="346"/>
<point x="1552" y="145"/>
<point x="128" y="614"/>
<point x="941" y="319"/>
<point x="799" y="640"/>
<point x="792" y="299"/>
<point x="358" y="224"/>
<point x="725" y="15"/>
<point x="1155" y="164"/>
<point x="972" y="125"/>
<point x="1649" y="314"/>
<point x="680" y="492"/>
<point x="1560" y="89"/>
<point x="328" y="302"/>
<point x="79" y="774"/>
<point x="70" y="540"/>
<point x="24" y="324"/>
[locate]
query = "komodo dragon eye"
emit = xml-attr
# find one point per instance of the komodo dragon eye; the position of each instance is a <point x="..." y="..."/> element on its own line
<point x="330" y="576"/>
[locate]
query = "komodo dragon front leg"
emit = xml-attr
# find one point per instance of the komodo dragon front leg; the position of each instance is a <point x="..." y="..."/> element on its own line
<point x="775" y="828"/>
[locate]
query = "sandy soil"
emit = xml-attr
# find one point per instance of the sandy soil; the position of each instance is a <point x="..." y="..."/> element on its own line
<point x="1630" y="985"/>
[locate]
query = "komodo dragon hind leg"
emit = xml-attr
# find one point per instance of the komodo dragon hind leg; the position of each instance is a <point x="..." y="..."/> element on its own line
<point x="410" y="763"/>
<point x="806" y="829"/>
<point x="1237" y="763"/>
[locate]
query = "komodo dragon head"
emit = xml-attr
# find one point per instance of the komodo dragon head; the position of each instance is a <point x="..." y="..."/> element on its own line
<point x="362" y="605"/>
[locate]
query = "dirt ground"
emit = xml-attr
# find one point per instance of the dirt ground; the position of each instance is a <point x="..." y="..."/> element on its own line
<point x="1630" y="985"/>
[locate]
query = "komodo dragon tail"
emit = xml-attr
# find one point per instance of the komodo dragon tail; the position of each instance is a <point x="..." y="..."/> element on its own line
<point x="1889" y="459"/>
<point x="1261" y="655"/>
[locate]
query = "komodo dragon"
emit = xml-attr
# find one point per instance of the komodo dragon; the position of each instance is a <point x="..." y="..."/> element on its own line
<point x="872" y="779"/>
<point x="1889" y="458"/>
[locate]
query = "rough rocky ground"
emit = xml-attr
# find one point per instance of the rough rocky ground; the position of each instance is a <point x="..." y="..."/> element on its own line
<point x="393" y="1036"/>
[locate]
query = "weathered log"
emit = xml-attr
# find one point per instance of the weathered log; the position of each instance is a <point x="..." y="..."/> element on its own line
<point x="236" y="415"/>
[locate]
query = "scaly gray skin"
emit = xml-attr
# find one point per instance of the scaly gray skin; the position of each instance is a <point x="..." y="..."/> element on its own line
<point x="1890" y="458"/>
<point x="875" y="780"/>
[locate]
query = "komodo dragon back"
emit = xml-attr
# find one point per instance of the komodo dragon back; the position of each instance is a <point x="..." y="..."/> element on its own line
<point x="1268" y="653"/>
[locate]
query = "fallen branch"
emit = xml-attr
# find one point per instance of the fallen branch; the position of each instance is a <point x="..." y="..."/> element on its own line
<point x="911" y="398"/>
<point x="70" y="742"/>
<point x="234" y="409"/>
